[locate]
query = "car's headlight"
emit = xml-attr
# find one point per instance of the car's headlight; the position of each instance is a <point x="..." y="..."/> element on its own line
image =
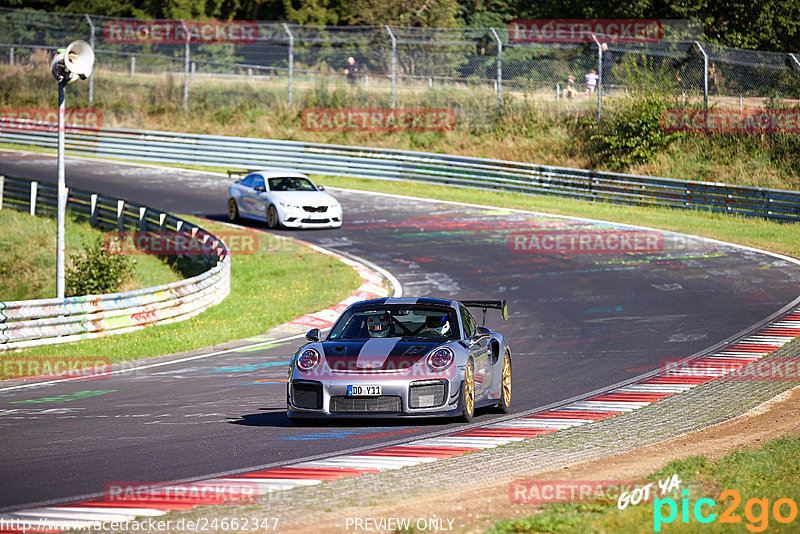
<point x="440" y="359"/>
<point x="307" y="360"/>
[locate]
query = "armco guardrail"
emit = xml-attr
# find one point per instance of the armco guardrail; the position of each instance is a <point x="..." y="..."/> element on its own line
<point x="387" y="164"/>
<point x="49" y="321"/>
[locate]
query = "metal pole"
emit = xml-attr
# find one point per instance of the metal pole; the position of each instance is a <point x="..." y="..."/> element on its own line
<point x="394" y="61"/>
<point x="599" y="77"/>
<point x="91" y="75"/>
<point x="62" y="195"/>
<point x="186" y="68"/>
<point x="705" y="74"/>
<point x="11" y="56"/>
<point x="133" y="65"/>
<point x="291" y="60"/>
<point x="499" y="69"/>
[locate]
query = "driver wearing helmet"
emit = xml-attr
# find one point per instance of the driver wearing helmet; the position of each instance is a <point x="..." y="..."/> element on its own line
<point x="437" y="324"/>
<point x="378" y="325"/>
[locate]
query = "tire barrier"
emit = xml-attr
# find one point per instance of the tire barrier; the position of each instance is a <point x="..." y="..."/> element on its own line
<point x="49" y="321"/>
<point x="389" y="164"/>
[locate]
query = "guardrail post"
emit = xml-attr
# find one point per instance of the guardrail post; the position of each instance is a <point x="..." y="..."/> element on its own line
<point x="91" y="43"/>
<point x="120" y="215"/>
<point x="291" y="60"/>
<point x="2" y="186"/>
<point x="34" y="194"/>
<point x="162" y="219"/>
<point x="394" y="61"/>
<point x="133" y="65"/>
<point x="178" y="226"/>
<point x="142" y="218"/>
<point x="93" y="209"/>
<point x="705" y="74"/>
<point x="499" y="69"/>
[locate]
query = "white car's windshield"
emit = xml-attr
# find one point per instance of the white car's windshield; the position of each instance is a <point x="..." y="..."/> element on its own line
<point x="291" y="184"/>
<point x="428" y="322"/>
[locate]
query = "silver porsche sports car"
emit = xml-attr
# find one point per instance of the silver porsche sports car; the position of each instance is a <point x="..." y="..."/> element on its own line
<point x="283" y="199"/>
<point x="402" y="357"/>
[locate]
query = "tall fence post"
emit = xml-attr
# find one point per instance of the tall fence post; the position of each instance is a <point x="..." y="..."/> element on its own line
<point x="499" y="69"/>
<point x="394" y="61"/>
<point x="186" y="67"/>
<point x="705" y="74"/>
<point x="599" y="77"/>
<point x="291" y="60"/>
<point x="133" y="65"/>
<point x="2" y="186"/>
<point x="91" y="43"/>
<point x="11" y="56"/>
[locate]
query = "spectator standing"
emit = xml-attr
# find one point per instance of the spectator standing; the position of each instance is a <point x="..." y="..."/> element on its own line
<point x="591" y="81"/>
<point x="607" y="63"/>
<point x="351" y="70"/>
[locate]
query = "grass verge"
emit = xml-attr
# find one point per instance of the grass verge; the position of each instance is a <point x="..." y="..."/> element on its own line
<point x="28" y="260"/>
<point x="280" y="281"/>
<point x="759" y="476"/>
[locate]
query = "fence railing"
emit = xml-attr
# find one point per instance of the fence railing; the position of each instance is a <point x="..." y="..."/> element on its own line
<point x="49" y="321"/>
<point x="388" y="164"/>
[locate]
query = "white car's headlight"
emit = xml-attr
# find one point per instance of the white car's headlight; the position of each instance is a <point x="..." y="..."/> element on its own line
<point x="307" y="360"/>
<point x="290" y="206"/>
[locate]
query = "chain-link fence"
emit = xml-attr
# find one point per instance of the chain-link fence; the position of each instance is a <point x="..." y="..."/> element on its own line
<point x="476" y="72"/>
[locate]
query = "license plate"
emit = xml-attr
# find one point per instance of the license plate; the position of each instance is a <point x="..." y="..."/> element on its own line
<point x="363" y="390"/>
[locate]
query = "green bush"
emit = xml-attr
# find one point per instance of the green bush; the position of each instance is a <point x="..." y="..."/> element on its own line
<point x="98" y="270"/>
<point x="631" y="134"/>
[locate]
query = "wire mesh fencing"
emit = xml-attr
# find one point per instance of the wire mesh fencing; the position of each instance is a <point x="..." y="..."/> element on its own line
<point x="478" y="73"/>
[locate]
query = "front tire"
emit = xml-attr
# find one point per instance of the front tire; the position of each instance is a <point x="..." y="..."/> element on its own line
<point x="233" y="210"/>
<point x="467" y="401"/>
<point x="273" y="222"/>
<point x="505" y="385"/>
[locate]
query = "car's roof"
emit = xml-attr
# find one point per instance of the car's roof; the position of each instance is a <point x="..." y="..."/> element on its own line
<point x="278" y="173"/>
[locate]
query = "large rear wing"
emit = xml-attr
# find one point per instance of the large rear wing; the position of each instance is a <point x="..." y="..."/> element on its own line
<point x="488" y="304"/>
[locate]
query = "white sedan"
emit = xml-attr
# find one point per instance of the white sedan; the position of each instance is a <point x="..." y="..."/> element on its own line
<point x="283" y="199"/>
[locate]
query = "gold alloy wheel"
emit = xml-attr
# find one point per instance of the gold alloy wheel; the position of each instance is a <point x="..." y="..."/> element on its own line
<point x="233" y="211"/>
<point x="469" y="390"/>
<point x="272" y="217"/>
<point x="506" y="385"/>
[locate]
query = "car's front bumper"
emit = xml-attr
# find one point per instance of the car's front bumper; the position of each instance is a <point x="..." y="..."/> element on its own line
<point x="399" y="398"/>
<point x="292" y="218"/>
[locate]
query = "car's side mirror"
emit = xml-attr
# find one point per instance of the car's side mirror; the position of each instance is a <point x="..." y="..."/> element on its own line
<point x="313" y="335"/>
<point x="260" y="188"/>
<point x="480" y="333"/>
<point x="321" y="187"/>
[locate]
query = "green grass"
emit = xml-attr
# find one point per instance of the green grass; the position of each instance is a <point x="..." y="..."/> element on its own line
<point x="769" y="472"/>
<point x="28" y="260"/>
<point x="773" y="236"/>
<point x="283" y="280"/>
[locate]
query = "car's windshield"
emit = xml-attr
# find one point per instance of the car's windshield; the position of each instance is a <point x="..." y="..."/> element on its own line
<point x="291" y="184"/>
<point x="396" y="320"/>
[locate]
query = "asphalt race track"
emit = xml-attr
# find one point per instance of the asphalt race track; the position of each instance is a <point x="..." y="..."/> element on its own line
<point x="578" y="322"/>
